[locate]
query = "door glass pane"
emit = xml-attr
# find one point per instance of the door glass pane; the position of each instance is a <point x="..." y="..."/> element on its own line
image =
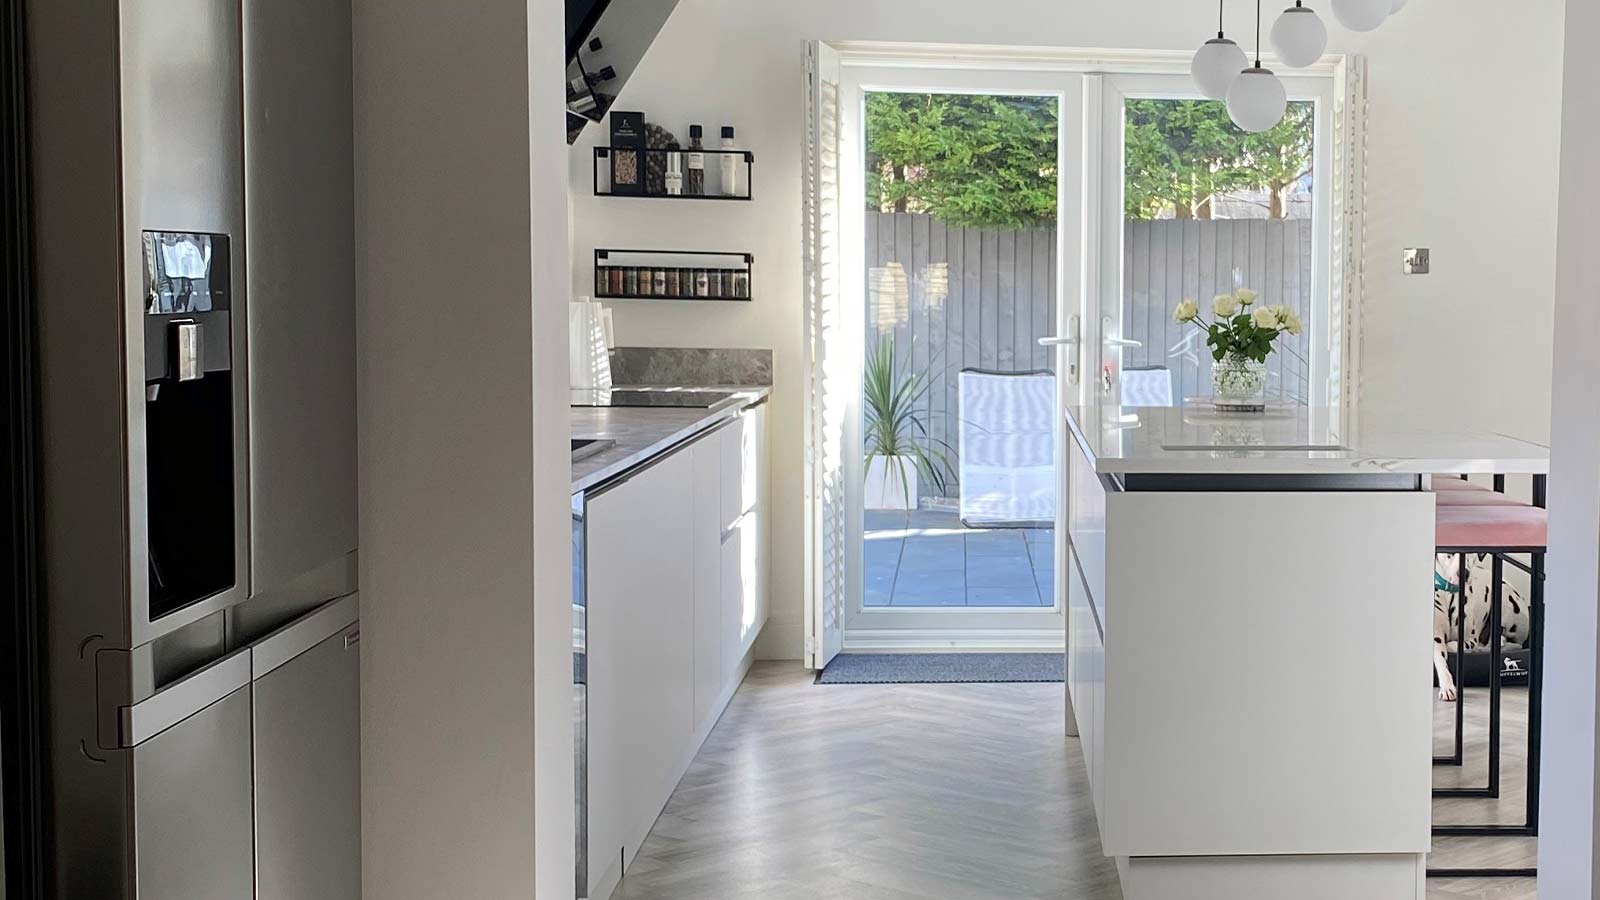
<point x="961" y="195"/>
<point x="1210" y="209"/>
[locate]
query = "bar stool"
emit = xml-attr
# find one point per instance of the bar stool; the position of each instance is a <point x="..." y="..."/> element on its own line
<point x="1472" y="520"/>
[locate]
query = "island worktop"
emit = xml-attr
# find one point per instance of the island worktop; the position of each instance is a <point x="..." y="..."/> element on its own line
<point x="1304" y="440"/>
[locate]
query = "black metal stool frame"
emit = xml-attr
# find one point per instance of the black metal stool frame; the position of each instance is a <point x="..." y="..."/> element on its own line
<point x="1535" y="569"/>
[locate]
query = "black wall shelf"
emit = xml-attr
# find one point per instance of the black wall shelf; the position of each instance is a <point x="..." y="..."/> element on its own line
<point x="651" y="170"/>
<point x="674" y="275"/>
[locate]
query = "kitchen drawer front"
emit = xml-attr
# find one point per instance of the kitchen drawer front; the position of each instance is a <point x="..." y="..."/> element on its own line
<point x="193" y="806"/>
<point x="308" y="772"/>
<point x="743" y="447"/>
<point x="1086" y="525"/>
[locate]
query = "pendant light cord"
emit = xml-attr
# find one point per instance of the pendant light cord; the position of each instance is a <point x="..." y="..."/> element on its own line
<point x="1258" y="34"/>
<point x="1220" y="33"/>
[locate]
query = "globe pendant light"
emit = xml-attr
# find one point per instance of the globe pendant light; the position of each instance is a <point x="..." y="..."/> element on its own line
<point x="1299" y="36"/>
<point x="1217" y="63"/>
<point x="1257" y="100"/>
<point x="1398" y="5"/>
<point x="1362" y="15"/>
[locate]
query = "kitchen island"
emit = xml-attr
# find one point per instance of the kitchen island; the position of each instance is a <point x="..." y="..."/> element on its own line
<point x="1249" y="638"/>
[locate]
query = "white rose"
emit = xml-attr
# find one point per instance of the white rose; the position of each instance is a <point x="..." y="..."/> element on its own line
<point x="1265" y="317"/>
<point x="1245" y="296"/>
<point x="1187" y="311"/>
<point x="1225" y="305"/>
<point x="1292" y="324"/>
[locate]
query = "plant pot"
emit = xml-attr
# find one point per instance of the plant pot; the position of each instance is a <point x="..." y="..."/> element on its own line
<point x="1239" y="384"/>
<point x="891" y="482"/>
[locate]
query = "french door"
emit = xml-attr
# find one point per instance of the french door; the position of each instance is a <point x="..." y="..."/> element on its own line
<point x="1125" y="249"/>
<point x="960" y="296"/>
<point x="1255" y="214"/>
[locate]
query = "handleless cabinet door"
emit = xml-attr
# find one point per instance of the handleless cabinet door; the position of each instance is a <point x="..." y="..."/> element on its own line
<point x="192" y="806"/>
<point x="308" y="773"/>
<point x="641" y="671"/>
<point x="299" y="224"/>
<point x="707" y="531"/>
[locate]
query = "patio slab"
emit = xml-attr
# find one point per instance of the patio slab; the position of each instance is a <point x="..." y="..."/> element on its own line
<point x="927" y="558"/>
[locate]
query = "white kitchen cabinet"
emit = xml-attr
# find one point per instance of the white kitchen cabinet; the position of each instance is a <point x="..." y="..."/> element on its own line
<point x="677" y="594"/>
<point x="743" y="455"/>
<point x="706" y="528"/>
<point x="641" y="613"/>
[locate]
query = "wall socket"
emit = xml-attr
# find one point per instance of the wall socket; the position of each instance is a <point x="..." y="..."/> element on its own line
<point x="1416" y="261"/>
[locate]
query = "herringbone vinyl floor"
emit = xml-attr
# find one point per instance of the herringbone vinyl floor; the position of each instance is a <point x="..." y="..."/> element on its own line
<point x="892" y="792"/>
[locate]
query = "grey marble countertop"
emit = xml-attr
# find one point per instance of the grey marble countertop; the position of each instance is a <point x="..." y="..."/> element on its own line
<point x="644" y="433"/>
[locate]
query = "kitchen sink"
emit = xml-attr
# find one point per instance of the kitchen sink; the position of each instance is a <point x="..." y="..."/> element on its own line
<point x="583" y="448"/>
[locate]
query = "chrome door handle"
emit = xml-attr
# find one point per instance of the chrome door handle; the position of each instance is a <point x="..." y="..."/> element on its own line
<point x="1073" y="338"/>
<point x="1105" y="329"/>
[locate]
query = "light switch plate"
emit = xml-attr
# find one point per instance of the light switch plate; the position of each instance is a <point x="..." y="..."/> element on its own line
<point x="1416" y="261"/>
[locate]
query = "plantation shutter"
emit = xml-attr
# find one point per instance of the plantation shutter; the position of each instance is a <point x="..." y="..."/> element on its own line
<point x="825" y="402"/>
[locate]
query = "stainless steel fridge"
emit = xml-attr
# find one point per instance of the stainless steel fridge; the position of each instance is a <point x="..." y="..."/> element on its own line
<point x="194" y="268"/>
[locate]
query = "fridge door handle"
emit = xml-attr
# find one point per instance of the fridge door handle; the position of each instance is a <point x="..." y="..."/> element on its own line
<point x="183" y="698"/>
<point x="303" y="633"/>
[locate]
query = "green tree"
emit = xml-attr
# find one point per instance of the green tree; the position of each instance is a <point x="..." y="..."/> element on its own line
<point x="1183" y="154"/>
<point x="1282" y="156"/>
<point x="973" y="161"/>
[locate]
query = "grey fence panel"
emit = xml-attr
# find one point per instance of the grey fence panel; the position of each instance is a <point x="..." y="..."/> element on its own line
<point x="953" y="298"/>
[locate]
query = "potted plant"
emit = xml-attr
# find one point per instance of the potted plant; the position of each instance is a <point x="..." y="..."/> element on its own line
<point x="1240" y="342"/>
<point x="898" y="447"/>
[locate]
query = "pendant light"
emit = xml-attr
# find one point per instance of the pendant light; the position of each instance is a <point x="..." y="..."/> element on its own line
<point x="1299" y="37"/>
<point x="1362" y="15"/>
<point x="1398" y="5"/>
<point x="1257" y="100"/>
<point x="1217" y="64"/>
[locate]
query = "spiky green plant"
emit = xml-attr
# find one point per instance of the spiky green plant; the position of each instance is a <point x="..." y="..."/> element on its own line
<point x="893" y="426"/>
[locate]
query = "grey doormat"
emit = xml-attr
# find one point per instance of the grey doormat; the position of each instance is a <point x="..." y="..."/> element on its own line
<point x="943" y="668"/>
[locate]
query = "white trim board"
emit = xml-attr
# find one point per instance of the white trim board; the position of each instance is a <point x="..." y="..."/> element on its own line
<point x="998" y="58"/>
<point x="954" y="640"/>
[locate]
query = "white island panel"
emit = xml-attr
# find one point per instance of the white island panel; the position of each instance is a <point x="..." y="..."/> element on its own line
<point x="1261" y="681"/>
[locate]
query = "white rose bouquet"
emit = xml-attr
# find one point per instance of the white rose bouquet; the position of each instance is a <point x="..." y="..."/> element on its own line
<point x="1236" y="330"/>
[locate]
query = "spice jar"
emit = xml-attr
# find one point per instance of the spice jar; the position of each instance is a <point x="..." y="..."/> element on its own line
<point x="702" y="283"/>
<point x="741" y="284"/>
<point x="602" y="279"/>
<point x="630" y="281"/>
<point x="672" y="282"/>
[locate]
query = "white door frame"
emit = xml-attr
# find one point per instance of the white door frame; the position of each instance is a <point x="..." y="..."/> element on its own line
<point x="1082" y="247"/>
<point x="965" y="628"/>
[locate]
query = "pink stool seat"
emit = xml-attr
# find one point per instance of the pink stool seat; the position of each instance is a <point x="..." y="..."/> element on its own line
<point x="1442" y="483"/>
<point x="1491" y="527"/>
<point x="1475" y="498"/>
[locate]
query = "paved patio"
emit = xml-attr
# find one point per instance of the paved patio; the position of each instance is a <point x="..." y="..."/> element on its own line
<point x="928" y="558"/>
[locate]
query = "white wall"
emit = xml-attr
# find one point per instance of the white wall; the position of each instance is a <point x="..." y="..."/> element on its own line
<point x="1462" y="138"/>
<point x="465" y="566"/>
<point x="1567" y="848"/>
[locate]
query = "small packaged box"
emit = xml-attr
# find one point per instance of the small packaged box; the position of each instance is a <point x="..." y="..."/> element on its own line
<point x="627" y="143"/>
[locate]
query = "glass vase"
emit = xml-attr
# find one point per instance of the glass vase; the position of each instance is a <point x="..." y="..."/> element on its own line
<point x="1239" y="384"/>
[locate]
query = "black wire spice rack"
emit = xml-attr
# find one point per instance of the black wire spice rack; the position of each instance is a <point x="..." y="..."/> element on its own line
<point x="649" y="171"/>
<point x="673" y="275"/>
